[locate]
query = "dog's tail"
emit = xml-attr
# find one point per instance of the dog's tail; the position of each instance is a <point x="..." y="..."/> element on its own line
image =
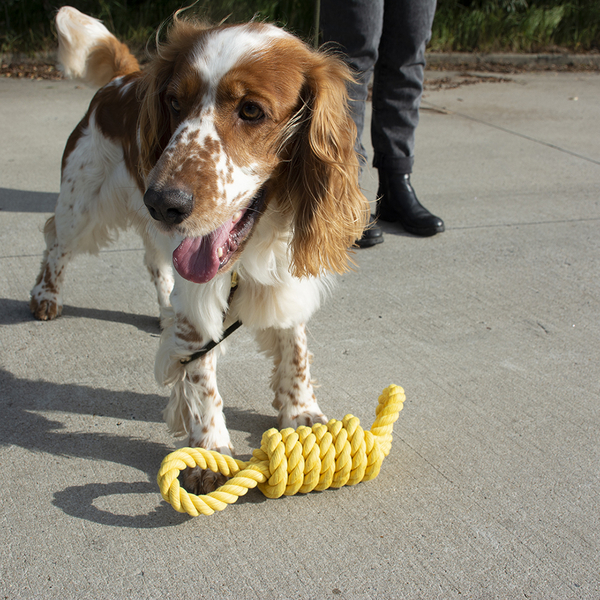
<point x="88" y="51"/>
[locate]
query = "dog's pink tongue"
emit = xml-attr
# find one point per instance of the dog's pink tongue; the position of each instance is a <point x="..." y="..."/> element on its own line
<point x="196" y="259"/>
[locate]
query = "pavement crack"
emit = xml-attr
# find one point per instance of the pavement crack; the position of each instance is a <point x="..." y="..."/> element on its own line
<point x="523" y="224"/>
<point x="443" y="110"/>
<point x="543" y="328"/>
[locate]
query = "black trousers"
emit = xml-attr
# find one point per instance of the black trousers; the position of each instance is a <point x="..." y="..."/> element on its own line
<point x="385" y="39"/>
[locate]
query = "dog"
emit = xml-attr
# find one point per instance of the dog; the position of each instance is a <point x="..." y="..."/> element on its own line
<point x="232" y="152"/>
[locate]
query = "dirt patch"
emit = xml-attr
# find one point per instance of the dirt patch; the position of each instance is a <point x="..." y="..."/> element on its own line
<point x="461" y="79"/>
<point x="30" y="71"/>
<point x="513" y="69"/>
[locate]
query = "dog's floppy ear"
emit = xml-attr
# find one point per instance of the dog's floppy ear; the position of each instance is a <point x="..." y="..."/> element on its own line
<point x="153" y="125"/>
<point x="320" y="178"/>
<point x="154" y="120"/>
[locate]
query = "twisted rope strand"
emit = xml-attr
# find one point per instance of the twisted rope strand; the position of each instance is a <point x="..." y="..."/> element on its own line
<point x="289" y="462"/>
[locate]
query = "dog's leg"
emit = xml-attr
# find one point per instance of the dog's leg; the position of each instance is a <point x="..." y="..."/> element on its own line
<point x="46" y="301"/>
<point x="195" y="408"/>
<point x="294" y="395"/>
<point x="161" y="274"/>
<point x="92" y="204"/>
<point x="207" y="424"/>
<point x="71" y="231"/>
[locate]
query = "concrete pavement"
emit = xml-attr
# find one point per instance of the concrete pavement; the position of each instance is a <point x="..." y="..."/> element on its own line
<point x="491" y="488"/>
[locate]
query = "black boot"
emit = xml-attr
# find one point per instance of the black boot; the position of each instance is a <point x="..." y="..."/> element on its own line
<point x="371" y="235"/>
<point x="397" y="202"/>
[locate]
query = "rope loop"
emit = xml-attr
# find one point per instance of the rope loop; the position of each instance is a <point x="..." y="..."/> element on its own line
<point x="289" y="461"/>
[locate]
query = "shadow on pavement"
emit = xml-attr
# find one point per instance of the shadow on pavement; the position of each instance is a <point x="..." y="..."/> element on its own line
<point x="27" y="201"/>
<point x="23" y="424"/>
<point x="13" y="312"/>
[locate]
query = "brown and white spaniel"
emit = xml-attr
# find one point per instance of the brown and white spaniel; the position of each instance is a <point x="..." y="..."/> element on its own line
<point x="233" y="151"/>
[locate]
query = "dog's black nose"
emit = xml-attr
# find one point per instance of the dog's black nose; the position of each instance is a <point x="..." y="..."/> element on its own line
<point x="169" y="206"/>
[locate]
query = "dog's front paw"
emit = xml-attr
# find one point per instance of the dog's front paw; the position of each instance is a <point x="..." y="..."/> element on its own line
<point x="45" y="309"/>
<point x="307" y="418"/>
<point x="201" y="481"/>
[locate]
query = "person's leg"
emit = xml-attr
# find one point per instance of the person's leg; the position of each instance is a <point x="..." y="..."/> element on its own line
<point x="398" y="81"/>
<point x="397" y="91"/>
<point x="355" y="26"/>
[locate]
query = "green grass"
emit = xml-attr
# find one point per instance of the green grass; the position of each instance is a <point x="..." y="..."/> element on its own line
<point x="460" y="25"/>
<point x="516" y="25"/>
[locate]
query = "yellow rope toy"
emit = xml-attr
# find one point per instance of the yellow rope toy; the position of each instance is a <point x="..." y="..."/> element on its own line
<point x="289" y="462"/>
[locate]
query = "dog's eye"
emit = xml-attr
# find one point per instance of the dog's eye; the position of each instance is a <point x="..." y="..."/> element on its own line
<point x="175" y="106"/>
<point x="251" y="112"/>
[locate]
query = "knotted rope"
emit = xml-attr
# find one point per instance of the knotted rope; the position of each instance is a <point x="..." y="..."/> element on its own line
<point x="289" y="462"/>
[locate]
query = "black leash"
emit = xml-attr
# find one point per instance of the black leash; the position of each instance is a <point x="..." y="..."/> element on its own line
<point x="208" y="347"/>
<point x="205" y="349"/>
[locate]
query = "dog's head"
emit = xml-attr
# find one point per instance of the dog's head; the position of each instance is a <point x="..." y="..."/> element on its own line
<point x="235" y="117"/>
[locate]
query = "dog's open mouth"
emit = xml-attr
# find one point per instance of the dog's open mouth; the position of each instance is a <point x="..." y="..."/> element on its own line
<point x="200" y="259"/>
